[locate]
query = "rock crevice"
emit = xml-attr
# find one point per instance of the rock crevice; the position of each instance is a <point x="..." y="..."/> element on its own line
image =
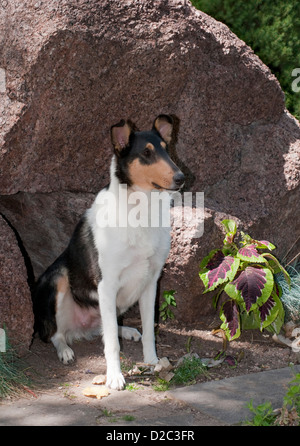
<point x="25" y="255"/>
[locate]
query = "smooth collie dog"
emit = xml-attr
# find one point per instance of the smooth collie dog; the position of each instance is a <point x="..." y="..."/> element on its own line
<point x="107" y="268"/>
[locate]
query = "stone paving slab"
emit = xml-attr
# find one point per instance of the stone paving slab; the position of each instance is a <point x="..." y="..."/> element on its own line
<point x="226" y="399"/>
<point x="213" y="403"/>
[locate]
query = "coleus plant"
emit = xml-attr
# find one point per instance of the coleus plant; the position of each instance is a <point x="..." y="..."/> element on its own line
<point x="245" y="273"/>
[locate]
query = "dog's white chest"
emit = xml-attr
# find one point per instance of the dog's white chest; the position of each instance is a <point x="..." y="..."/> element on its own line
<point x="130" y="257"/>
<point x="142" y="262"/>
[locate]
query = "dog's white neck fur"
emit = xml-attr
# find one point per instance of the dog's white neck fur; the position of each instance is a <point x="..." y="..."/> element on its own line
<point x="128" y="202"/>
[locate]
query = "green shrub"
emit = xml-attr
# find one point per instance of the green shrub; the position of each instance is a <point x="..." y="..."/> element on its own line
<point x="271" y="29"/>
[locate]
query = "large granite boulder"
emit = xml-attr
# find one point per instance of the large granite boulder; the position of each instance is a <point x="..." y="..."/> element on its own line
<point x="71" y="69"/>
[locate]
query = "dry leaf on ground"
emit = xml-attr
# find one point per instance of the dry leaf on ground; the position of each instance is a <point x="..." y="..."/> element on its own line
<point x="96" y="392"/>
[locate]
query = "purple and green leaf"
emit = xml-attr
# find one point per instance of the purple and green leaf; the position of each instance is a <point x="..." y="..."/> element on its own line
<point x="252" y="287"/>
<point x="272" y="311"/>
<point x="229" y="314"/>
<point x="268" y="312"/>
<point x="216" y="269"/>
<point x="260" y="244"/>
<point x="230" y="360"/>
<point x="264" y="244"/>
<point x="249" y="253"/>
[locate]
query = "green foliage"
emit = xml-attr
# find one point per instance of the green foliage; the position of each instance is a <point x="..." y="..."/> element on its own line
<point x="161" y="386"/>
<point x="289" y="414"/>
<point x="187" y="372"/>
<point x="165" y="311"/>
<point x="128" y="418"/>
<point x="131" y="387"/>
<point x="271" y="28"/>
<point x="263" y="414"/>
<point x="245" y="275"/>
<point x="12" y="376"/>
<point x="292" y="397"/>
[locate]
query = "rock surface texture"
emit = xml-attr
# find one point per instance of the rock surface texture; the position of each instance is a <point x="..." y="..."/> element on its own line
<point x="16" y="314"/>
<point x="70" y="69"/>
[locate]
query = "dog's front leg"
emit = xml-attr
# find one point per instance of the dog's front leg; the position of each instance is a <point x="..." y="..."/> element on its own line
<point x="147" y="304"/>
<point x="108" y="310"/>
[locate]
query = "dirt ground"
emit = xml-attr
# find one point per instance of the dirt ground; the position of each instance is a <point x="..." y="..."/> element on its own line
<point x="254" y="351"/>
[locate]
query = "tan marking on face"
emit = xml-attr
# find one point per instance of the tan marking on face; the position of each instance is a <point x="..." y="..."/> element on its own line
<point x="150" y="146"/>
<point x="144" y="176"/>
<point x="163" y="144"/>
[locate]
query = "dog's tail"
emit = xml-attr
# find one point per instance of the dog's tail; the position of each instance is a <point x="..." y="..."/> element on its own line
<point x="44" y="310"/>
<point x="44" y="303"/>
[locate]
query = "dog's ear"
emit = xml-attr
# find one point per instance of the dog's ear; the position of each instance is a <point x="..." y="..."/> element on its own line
<point x="120" y="134"/>
<point x="163" y="124"/>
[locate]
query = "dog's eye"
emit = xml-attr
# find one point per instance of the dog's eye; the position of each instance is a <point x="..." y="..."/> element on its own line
<point x="147" y="152"/>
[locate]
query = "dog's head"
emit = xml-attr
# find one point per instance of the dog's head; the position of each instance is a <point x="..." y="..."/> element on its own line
<point x="142" y="157"/>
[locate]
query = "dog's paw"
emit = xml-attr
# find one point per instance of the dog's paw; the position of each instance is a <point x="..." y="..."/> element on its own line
<point x="115" y="381"/>
<point x="129" y="333"/>
<point x="151" y="359"/>
<point x="66" y="355"/>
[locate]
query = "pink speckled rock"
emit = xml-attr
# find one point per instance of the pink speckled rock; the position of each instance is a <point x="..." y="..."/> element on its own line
<point x="15" y="299"/>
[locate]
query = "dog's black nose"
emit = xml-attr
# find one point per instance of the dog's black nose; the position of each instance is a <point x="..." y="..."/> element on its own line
<point x="178" y="178"/>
